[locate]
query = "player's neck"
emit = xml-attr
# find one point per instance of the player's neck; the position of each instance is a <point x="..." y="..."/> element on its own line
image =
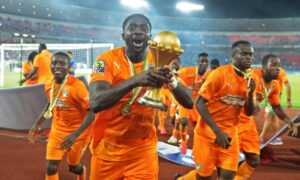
<point x="59" y="81"/>
<point x="266" y="78"/>
<point x="134" y="57"/>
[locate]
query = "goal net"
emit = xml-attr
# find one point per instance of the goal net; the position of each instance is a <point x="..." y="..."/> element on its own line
<point x="13" y="55"/>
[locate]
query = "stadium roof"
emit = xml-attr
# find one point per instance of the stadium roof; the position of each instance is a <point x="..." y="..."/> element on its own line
<point x="213" y="8"/>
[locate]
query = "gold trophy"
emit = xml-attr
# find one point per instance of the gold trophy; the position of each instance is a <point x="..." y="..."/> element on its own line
<point x="164" y="47"/>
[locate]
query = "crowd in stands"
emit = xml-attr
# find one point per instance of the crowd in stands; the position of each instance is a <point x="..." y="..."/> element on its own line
<point x="216" y="44"/>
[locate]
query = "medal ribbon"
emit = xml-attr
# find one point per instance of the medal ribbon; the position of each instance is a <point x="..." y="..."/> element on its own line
<point x="245" y="74"/>
<point x="136" y="90"/>
<point x="266" y="93"/>
<point x="53" y="99"/>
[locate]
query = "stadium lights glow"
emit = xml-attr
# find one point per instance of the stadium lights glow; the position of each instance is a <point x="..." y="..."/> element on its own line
<point x="33" y="36"/>
<point x="16" y="34"/>
<point x="25" y="35"/>
<point x="135" y="3"/>
<point x="187" y="7"/>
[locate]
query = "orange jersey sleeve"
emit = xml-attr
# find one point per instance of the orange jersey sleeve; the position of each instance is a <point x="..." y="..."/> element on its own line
<point x="118" y="137"/>
<point x="273" y="92"/>
<point x="282" y="78"/>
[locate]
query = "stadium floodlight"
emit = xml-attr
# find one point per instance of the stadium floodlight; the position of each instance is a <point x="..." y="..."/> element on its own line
<point x="188" y="7"/>
<point x="16" y="34"/>
<point x="135" y="3"/>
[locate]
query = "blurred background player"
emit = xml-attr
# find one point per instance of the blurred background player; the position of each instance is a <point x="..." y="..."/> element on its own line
<point x="271" y="121"/>
<point x="166" y="96"/>
<point x="192" y="78"/>
<point x="27" y="67"/>
<point x="270" y="114"/>
<point x="214" y="64"/>
<point x="73" y="63"/>
<point x="68" y="107"/>
<point x="41" y="66"/>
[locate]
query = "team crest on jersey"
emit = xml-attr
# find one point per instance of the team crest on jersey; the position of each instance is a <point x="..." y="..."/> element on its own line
<point x="65" y="93"/>
<point x="99" y="67"/>
<point x="198" y="166"/>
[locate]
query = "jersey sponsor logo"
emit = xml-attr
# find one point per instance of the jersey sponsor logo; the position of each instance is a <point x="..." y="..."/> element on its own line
<point x="233" y="100"/>
<point x="61" y="104"/>
<point x="99" y="67"/>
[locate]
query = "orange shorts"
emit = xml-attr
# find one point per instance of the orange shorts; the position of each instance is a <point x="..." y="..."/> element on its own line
<point x="75" y="153"/>
<point x="140" y="168"/>
<point x="209" y="155"/>
<point x="249" y="140"/>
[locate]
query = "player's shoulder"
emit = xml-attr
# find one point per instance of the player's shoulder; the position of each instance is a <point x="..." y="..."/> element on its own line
<point x="186" y="69"/>
<point x="223" y="69"/>
<point x="74" y="81"/>
<point x="111" y="54"/>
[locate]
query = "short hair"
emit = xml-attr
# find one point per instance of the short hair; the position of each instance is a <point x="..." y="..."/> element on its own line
<point x="32" y="55"/>
<point x="136" y="15"/>
<point x="62" y="54"/>
<point x="237" y="43"/>
<point x="215" y="62"/>
<point x="43" y="46"/>
<point x="266" y="58"/>
<point x="203" y="54"/>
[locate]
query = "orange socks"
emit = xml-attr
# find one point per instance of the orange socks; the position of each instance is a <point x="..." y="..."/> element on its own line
<point x="244" y="171"/>
<point x="189" y="176"/>
<point x="52" y="177"/>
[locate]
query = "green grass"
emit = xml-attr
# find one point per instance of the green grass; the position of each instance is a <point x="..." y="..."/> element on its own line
<point x="11" y="79"/>
<point x="295" y="82"/>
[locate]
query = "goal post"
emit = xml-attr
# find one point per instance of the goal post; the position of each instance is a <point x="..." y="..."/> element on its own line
<point x="13" y="55"/>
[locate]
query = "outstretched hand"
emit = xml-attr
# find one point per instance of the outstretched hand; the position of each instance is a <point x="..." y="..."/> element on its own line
<point x="68" y="141"/>
<point x="293" y="129"/>
<point x="33" y="133"/>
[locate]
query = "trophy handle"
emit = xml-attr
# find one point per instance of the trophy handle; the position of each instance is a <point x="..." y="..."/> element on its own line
<point x="152" y="98"/>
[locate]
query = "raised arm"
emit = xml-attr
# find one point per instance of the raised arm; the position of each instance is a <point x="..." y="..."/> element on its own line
<point x="250" y="104"/>
<point x="282" y="115"/>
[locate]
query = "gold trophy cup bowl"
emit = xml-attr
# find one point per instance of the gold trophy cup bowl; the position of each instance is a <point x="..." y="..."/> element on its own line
<point x="164" y="47"/>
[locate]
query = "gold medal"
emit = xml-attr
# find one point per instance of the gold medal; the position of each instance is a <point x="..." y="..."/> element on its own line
<point x="48" y="114"/>
<point x="126" y="109"/>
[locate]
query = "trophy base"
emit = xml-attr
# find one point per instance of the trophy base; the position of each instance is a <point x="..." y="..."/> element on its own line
<point x="154" y="103"/>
